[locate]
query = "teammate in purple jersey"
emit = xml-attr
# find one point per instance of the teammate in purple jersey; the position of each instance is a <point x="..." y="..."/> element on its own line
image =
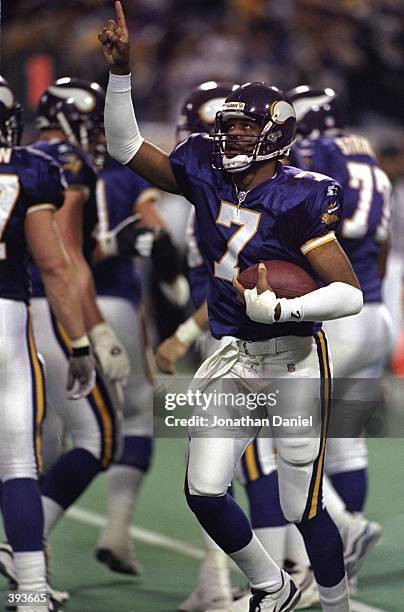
<point x="31" y="190"/>
<point x="63" y="118"/>
<point x="254" y="129"/>
<point x="327" y="146"/>
<point x="349" y="159"/>
<point x="119" y="294"/>
<point x="121" y="235"/>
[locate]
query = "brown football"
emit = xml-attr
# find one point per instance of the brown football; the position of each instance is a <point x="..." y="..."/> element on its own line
<point x="286" y="279"/>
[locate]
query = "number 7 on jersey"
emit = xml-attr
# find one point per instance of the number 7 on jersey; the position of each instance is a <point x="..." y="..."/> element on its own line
<point x="248" y="221"/>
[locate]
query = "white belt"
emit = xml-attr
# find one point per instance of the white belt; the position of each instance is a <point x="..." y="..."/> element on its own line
<point x="274" y="345"/>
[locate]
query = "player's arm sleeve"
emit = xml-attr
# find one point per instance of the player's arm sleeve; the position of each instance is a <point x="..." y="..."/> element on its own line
<point x="124" y="141"/>
<point x="337" y="299"/>
<point x="321" y="217"/>
<point x="334" y="301"/>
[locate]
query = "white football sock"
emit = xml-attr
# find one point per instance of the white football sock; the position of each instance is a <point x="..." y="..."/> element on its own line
<point x="258" y="566"/>
<point x="295" y="548"/>
<point x="273" y="540"/>
<point x="213" y="560"/>
<point x="124" y="483"/>
<point x="30" y="568"/>
<point x="348" y="525"/>
<point x="336" y="598"/>
<point x="52" y="513"/>
<point x="333" y="501"/>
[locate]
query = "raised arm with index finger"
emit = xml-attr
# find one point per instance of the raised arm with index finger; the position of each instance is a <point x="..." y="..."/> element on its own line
<point x="124" y="141"/>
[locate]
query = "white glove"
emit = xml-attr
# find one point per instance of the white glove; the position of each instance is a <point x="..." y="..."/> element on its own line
<point x="260" y="308"/>
<point x="110" y="352"/>
<point x="178" y="292"/>
<point x="127" y="239"/>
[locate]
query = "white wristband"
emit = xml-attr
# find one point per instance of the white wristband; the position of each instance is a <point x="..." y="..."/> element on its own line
<point x="81" y="342"/>
<point x="188" y="332"/>
<point x="120" y="82"/>
<point x="123" y="136"/>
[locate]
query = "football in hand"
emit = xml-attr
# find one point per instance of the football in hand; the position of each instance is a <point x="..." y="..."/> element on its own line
<point x="285" y="278"/>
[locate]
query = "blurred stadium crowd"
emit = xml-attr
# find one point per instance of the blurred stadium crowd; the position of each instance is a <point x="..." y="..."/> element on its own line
<point x="354" y="46"/>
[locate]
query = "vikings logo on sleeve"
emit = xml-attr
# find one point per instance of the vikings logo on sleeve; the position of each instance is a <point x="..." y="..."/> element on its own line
<point x="332" y="214"/>
<point x="71" y="162"/>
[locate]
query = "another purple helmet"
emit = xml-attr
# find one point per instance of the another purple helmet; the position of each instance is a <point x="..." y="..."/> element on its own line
<point x="271" y="110"/>
<point x="74" y="106"/>
<point x="198" y="112"/>
<point x="317" y="110"/>
<point x="10" y="116"/>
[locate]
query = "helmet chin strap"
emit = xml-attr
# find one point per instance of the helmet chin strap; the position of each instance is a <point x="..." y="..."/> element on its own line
<point x="237" y="163"/>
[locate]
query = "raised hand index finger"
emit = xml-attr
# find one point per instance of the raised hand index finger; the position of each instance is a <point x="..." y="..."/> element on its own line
<point x="120" y="17"/>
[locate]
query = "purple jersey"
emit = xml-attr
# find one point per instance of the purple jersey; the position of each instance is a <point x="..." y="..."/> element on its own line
<point x="78" y="171"/>
<point x="282" y="218"/>
<point x="197" y="270"/>
<point x="118" y="188"/>
<point x="365" y="223"/>
<point x="29" y="180"/>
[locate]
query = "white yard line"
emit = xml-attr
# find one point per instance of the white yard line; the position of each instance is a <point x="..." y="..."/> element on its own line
<point x="138" y="533"/>
<point x="161" y="541"/>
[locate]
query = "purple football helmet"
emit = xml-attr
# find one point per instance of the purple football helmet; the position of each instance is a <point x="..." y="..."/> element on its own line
<point x="271" y="110"/>
<point x="198" y="112"/>
<point x="317" y="111"/>
<point x="10" y="116"/>
<point x="74" y="106"/>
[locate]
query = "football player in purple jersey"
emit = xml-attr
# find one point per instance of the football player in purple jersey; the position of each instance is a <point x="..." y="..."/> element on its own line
<point x="257" y="468"/>
<point x="31" y="191"/>
<point x="128" y="226"/>
<point x="327" y="146"/>
<point x="280" y="213"/>
<point x="65" y="120"/>
<point x="117" y="281"/>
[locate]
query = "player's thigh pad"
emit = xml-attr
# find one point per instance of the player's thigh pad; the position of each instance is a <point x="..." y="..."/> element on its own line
<point x="81" y="418"/>
<point x="211" y="464"/>
<point x="301" y="447"/>
<point x="22" y="394"/>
